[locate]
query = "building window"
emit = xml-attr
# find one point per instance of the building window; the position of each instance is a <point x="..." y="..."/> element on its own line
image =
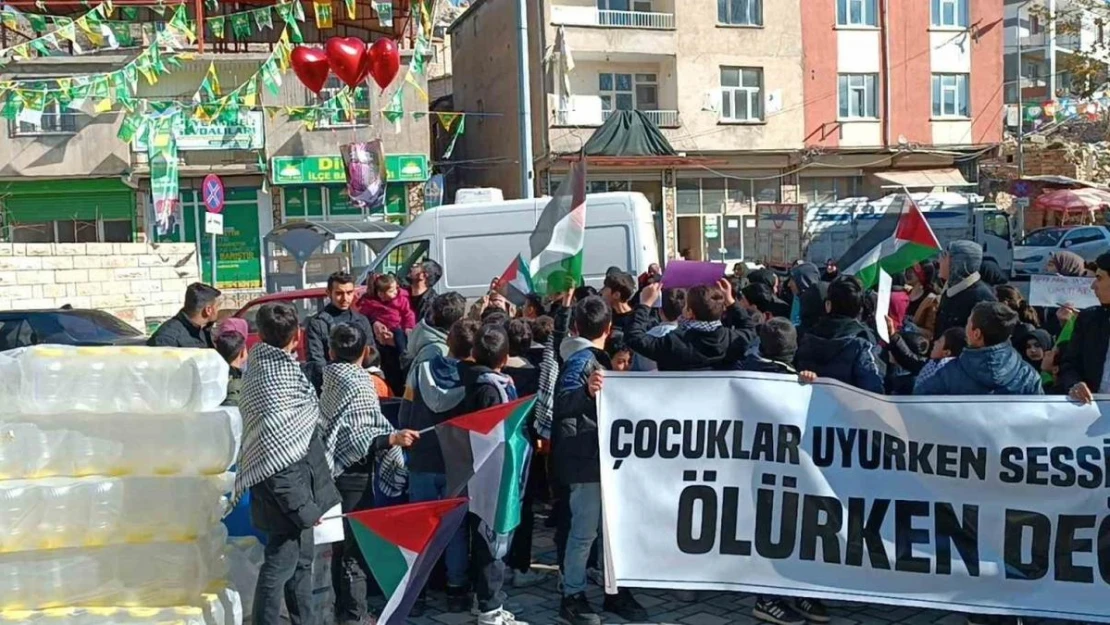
<point x="823" y="189"/>
<point x="1034" y="25"/>
<point x="740" y="12"/>
<point x="856" y="13"/>
<point x="741" y="94"/>
<point x="859" y="98"/>
<point x="950" y="13"/>
<point x="334" y="115"/>
<point x="647" y="92"/>
<point x="951" y="97"/>
<point x="616" y="92"/>
<point x="712" y="196"/>
<point x="56" y="120"/>
<point x="72" y="231"/>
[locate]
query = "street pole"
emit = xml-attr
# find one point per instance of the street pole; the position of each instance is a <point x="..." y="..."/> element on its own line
<point x="527" y="176"/>
<point x="1021" y="102"/>
<point x="212" y="253"/>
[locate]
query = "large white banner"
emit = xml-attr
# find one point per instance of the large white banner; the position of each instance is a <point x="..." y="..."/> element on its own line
<point x="752" y="482"/>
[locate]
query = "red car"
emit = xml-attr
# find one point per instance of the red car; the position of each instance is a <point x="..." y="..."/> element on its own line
<point x="307" y="302"/>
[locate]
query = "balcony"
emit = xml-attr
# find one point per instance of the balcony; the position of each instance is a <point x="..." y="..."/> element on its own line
<point x="593" y="118"/>
<point x="566" y="15"/>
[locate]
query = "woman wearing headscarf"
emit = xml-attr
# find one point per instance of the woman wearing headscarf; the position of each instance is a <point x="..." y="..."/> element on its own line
<point x="1067" y="264"/>
<point x="802" y="277"/>
<point x="924" y="297"/>
<point x="963" y="288"/>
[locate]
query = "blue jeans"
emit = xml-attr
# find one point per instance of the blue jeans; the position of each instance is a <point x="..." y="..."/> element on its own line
<point x="585" y="528"/>
<point x="433" y="487"/>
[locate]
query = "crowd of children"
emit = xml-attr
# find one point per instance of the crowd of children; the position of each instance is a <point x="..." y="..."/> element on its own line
<point x="318" y="436"/>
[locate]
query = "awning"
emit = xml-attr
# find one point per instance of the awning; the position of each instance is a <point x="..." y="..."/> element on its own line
<point x="628" y="133"/>
<point x="923" y="178"/>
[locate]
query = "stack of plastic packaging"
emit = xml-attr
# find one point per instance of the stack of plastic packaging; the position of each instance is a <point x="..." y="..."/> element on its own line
<point x="113" y="472"/>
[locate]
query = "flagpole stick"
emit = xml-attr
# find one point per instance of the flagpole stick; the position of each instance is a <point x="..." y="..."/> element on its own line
<point x="426" y="430"/>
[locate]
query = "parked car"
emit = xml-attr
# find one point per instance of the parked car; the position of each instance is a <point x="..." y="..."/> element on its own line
<point x="1031" y="256"/>
<point x="307" y="302"/>
<point x="63" y="326"/>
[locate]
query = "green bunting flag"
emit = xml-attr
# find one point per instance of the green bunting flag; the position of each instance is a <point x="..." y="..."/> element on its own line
<point x="271" y="77"/>
<point x="38" y="22"/>
<point x="180" y="22"/>
<point x="323" y="14"/>
<point x="240" y="26"/>
<point x="263" y="19"/>
<point x="291" y="26"/>
<point x="209" y="87"/>
<point x="216" y="26"/>
<point x="352" y="8"/>
<point x="396" y="109"/>
<point x="130" y="14"/>
<point x="459" y="128"/>
<point x="384" y="9"/>
<point x="10" y="103"/>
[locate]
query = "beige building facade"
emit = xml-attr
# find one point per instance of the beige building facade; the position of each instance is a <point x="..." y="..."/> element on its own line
<point x="727" y="96"/>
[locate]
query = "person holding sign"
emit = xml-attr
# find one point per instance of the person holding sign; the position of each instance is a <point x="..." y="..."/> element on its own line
<point x="1083" y="369"/>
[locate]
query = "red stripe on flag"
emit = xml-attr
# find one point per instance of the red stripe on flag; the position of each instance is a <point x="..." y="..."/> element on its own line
<point x="409" y="526"/>
<point x="485" y="420"/>
<point x="914" y="228"/>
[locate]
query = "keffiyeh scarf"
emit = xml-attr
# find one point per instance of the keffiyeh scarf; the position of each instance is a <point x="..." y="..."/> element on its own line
<point x="699" y="326"/>
<point x="280" y="415"/>
<point x="352" y="419"/>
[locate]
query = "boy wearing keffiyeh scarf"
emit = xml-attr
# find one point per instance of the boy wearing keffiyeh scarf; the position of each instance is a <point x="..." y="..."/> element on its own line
<point x="357" y="438"/>
<point x="284" y="465"/>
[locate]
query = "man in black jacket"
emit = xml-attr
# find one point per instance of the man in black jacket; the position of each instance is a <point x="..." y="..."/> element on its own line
<point x="1083" y="369"/>
<point x="839" y="346"/>
<point x="192" y="326"/>
<point x="964" y="288"/>
<point x="578" y="460"/>
<point x="340" y="309"/>
<point x="714" y="334"/>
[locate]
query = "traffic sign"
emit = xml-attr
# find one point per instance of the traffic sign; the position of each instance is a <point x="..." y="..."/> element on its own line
<point x="212" y="189"/>
<point x="213" y="224"/>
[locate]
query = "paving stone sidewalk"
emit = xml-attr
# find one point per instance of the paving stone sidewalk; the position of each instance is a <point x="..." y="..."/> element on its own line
<point x="539" y="605"/>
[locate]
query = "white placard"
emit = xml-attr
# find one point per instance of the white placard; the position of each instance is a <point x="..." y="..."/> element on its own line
<point x="330" y="527"/>
<point x="882" y="305"/>
<point x="736" y="481"/>
<point x="1055" y="291"/>
<point x="213" y="223"/>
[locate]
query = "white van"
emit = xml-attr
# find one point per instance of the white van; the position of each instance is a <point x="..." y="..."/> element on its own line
<point x="476" y="242"/>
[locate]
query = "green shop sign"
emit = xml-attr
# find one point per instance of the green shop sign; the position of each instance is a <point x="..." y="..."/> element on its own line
<point x="329" y="169"/>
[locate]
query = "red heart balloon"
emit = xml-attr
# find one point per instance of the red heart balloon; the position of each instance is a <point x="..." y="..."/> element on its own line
<point x="347" y="58"/>
<point x="311" y="67"/>
<point x="385" y="61"/>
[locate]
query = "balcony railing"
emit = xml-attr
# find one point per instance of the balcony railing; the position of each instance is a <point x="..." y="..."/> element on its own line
<point x="587" y="16"/>
<point x="566" y="117"/>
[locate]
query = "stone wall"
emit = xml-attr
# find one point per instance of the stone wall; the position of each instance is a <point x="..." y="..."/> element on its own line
<point x="137" y="282"/>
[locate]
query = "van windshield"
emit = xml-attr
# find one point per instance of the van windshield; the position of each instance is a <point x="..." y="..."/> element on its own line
<point x="400" y="259"/>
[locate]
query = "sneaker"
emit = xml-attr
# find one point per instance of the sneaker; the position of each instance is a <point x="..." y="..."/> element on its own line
<point x="576" y="610"/>
<point x="685" y="596"/>
<point x="597" y="576"/>
<point x="813" y="609"/>
<point x="500" y="616"/>
<point x="523" y="579"/>
<point x="777" y="611"/>
<point x="624" y="605"/>
<point x="458" y="599"/>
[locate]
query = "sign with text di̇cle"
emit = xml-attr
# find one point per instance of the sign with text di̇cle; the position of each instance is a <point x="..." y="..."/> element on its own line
<point x="330" y="170"/>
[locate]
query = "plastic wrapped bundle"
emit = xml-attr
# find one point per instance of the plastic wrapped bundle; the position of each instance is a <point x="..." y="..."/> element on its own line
<point x="62" y="513"/>
<point x="74" y="445"/>
<point x="245" y="556"/>
<point x="53" y="379"/>
<point x="223" y="607"/>
<point x="187" y="615"/>
<point x="153" y="574"/>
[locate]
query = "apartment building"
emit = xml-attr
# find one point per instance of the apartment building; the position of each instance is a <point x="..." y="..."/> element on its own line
<point x="1045" y="41"/>
<point x="69" y="178"/>
<point x="784" y="102"/>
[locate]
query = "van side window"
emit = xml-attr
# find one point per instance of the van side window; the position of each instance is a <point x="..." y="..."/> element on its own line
<point x="401" y="258"/>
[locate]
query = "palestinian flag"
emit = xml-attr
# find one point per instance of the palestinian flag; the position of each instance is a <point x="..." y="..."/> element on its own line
<point x="556" y="243"/>
<point x="516" y="282"/>
<point x="401" y="544"/>
<point x="487" y="454"/>
<point x="901" y="239"/>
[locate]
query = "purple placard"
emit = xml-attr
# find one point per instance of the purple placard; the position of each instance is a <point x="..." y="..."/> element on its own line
<point x="683" y="274"/>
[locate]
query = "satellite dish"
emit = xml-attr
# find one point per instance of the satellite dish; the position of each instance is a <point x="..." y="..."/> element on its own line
<point x="902" y="140"/>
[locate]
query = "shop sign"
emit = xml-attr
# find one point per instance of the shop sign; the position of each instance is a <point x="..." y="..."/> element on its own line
<point x="244" y="133"/>
<point x="330" y="170"/>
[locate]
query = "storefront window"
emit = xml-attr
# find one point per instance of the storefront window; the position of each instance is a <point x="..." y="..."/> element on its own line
<point x="707" y="196"/>
<point x="713" y="195"/>
<point x="689" y="196"/>
<point x="828" y="189"/>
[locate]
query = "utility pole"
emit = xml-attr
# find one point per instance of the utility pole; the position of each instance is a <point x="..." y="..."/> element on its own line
<point x="527" y="175"/>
